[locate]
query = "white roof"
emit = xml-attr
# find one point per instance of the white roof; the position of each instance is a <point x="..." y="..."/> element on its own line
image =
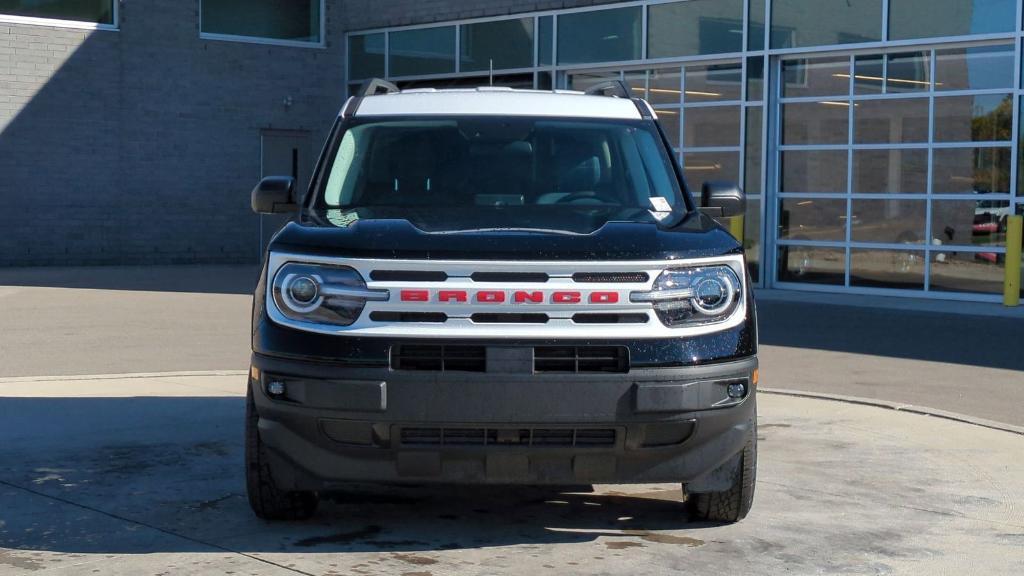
<point x="498" y="101"/>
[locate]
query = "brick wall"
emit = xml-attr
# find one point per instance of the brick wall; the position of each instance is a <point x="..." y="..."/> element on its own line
<point x="142" y="145"/>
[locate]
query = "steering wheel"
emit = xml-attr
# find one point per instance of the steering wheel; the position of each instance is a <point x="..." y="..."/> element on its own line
<point x="582" y="195"/>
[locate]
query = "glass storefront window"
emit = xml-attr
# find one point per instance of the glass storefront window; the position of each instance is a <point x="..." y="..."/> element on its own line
<point x="900" y="171"/>
<point x="755" y="78"/>
<point x="814" y="171"/>
<point x="669" y="120"/>
<point x="888" y="221"/>
<point x="930" y="18"/>
<point x="812" y="265"/>
<point x="586" y="80"/>
<point x="545" y="41"/>
<point x="752" y="237"/>
<point x="899" y="269"/>
<point x="970" y="170"/>
<point x="422" y="51"/>
<point x="869" y="74"/>
<point x="695" y="27"/>
<point x="909" y="72"/>
<point x="637" y="82"/>
<point x="701" y="167"/>
<point x="755" y="35"/>
<point x="600" y="36"/>
<point x="816" y="77"/>
<point x="824" y="122"/>
<point x="752" y="152"/>
<point x="505" y="43"/>
<point x="981" y="272"/>
<point x="92" y="11"/>
<point x="812" y="219"/>
<point x="970" y="222"/>
<point x="977" y="68"/>
<point x="798" y="23"/>
<point x="984" y="118"/>
<point x="663" y="86"/>
<point x="366" y="56"/>
<point x="714" y="82"/>
<point x="292" y="21"/>
<point x="712" y="126"/>
<point x="891" y="121"/>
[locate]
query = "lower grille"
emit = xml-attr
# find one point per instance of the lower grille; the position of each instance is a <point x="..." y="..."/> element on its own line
<point x="465" y="358"/>
<point x="519" y="437"/>
<point x="581" y="359"/>
<point x="439" y="358"/>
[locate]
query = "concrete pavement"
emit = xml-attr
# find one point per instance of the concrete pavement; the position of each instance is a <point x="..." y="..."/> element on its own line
<point x="143" y="475"/>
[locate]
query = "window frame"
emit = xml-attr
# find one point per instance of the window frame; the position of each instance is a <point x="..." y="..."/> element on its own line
<point x="321" y="44"/>
<point x="115" y="26"/>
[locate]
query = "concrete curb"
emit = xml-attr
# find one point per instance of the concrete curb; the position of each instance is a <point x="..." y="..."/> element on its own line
<point x="126" y="376"/>
<point x="899" y="407"/>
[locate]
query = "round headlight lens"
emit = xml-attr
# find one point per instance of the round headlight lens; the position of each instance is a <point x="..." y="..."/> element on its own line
<point x="712" y="294"/>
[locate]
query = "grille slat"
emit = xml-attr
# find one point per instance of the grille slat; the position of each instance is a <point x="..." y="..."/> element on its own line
<point x="512" y="437"/>
<point x="611" y="277"/>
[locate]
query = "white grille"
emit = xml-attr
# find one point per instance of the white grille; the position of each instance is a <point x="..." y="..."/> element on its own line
<point x="604" y="310"/>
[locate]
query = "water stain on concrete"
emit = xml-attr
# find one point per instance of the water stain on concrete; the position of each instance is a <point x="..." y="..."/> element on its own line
<point x="417" y="574"/>
<point x="620" y="545"/>
<point x="415" y="559"/>
<point x="340" y="538"/>
<point x="660" y="538"/>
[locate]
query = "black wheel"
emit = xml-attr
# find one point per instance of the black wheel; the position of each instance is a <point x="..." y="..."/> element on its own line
<point x="266" y="499"/>
<point x="733" y="504"/>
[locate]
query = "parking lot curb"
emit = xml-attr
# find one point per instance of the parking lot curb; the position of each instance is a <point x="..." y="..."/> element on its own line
<point x="126" y="376"/>
<point x="899" y="407"/>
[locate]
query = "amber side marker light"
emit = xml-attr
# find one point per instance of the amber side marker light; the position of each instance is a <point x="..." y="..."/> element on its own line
<point x="254" y="373"/>
<point x="753" y="378"/>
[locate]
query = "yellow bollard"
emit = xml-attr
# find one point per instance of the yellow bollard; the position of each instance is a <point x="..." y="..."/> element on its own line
<point x="1011" y="287"/>
<point x="736" y="227"/>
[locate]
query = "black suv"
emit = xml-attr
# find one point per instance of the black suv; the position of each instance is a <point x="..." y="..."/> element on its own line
<point x="504" y="287"/>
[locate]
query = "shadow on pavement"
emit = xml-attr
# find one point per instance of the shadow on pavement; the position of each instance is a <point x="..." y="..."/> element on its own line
<point x="951" y="338"/>
<point x="159" y="474"/>
<point x="209" y="279"/>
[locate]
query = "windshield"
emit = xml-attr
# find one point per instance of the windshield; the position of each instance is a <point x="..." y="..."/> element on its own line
<point x="502" y="164"/>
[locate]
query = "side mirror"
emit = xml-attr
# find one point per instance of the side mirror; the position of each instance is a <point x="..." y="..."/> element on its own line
<point x="274" y="195"/>
<point x="723" y="199"/>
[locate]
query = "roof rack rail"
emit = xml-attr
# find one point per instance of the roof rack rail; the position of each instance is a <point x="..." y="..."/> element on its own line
<point x="371" y="87"/>
<point x="613" y="88"/>
<point x="375" y="86"/>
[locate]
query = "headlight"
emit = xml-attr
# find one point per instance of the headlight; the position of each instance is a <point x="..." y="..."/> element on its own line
<point x="694" y="296"/>
<point x="322" y="294"/>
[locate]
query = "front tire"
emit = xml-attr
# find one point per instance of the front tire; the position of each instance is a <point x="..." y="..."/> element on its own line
<point x="733" y="504"/>
<point x="267" y="500"/>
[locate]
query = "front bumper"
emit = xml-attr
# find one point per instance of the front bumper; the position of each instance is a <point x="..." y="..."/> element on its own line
<point x="338" y="424"/>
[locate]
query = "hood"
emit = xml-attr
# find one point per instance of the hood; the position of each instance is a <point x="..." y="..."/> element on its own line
<point x="516" y="233"/>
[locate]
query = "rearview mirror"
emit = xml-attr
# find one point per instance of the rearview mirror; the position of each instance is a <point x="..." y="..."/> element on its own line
<point x="723" y="199"/>
<point x="274" y="195"/>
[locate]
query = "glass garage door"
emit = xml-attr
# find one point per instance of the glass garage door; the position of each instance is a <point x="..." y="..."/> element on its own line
<point x="892" y="172"/>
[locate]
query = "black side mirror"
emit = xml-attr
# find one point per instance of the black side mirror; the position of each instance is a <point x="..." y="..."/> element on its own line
<point x="274" y="195"/>
<point x="723" y="199"/>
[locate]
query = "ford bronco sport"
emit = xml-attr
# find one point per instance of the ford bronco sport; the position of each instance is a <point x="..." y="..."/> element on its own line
<point x="501" y="286"/>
